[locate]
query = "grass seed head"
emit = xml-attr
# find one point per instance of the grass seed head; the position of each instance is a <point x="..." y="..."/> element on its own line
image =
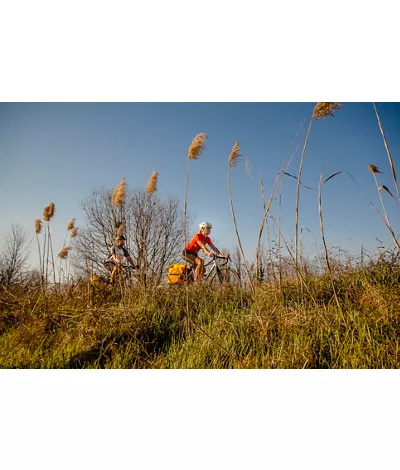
<point x="64" y="252"/>
<point x="119" y="194"/>
<point x="38" y="226"/>
<point x="120" y="230"/>
<point x="74" y="232"/>
<point x="71" y="225"/>
<point x="152" y="184"/>
<point x="49" y="211"/>
<point x="234" y="156"/>
<point x="325" y="110"/>
<point x="373" y="169"/>
<point x="197" y="146"/>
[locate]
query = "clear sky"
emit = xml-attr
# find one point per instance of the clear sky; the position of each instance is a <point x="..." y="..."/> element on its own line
<point x="59" y="151"/>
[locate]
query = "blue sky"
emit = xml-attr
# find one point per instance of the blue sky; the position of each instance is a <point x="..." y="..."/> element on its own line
<point x="59" y="151"/>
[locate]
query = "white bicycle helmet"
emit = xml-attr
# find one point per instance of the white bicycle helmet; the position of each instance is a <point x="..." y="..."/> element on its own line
<point x="205" y="225"/>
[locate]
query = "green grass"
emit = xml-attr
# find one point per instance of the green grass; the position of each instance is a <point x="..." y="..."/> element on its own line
<point x="292" y="328"/>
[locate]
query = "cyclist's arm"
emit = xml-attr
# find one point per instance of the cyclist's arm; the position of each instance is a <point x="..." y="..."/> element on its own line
<point x="203" y="247"/>
<point x="216" y="250"/>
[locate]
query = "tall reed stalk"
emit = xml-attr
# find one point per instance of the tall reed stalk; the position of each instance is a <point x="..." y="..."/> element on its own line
<point x="63" y="254"/>
<point x="233" y="161"/>
<point x="195" y="150"/>
<point x="321" y="226"/>
<point x="392" y="168"/>
<point x="388" y="226"/>
<point x="278" y="181"/>
<point x="322" y="110"/>
<point x="150" y="190"/>
<point x="48" y="214"/>
<point x="38" y="230"/>
<point x="375" y="170"/>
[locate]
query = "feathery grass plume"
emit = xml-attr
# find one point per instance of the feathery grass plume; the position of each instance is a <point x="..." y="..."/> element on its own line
<point x="71" y="225"/>
<point x="48" y="212"/>
<point x="64" y="252"/>
<point x="120" y="230"/>
<point x="38" y="226"/>
<point x="152" y="184"/>
<point x="234" y="156"/>
<point x="325" y="110"/>
<point x="197" y="146"/>
<point x="388" y="153"/>
<point x="74" y="232"/>
<point x="374" y="169"/>
<point x="119" y="194"/>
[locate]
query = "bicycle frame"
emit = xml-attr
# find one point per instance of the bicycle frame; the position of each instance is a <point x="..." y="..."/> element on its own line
<point x="214" y="268"/>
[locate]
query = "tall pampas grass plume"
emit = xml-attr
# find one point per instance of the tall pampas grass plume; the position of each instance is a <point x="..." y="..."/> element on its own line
<point x="374" y="169"/>
<point x="71" y="225"/>
<point x="49" y="211"/>
<point x="152" y="184"/>
<point x="197" y="146"/>
<point x="38" y="226"/>
<point x="64" y="252"/>
<point x="325" y="110"/>
<point x="234" y="156"/>
<point x="119" y="194"/>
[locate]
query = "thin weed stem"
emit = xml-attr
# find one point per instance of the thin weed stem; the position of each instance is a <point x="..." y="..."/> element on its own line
<point x="388" y="152"/>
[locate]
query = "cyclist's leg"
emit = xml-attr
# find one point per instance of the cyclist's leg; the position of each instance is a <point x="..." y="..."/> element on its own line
<point x="191" y="259"/>
<point x="200" y="269"/>
<point x="117" y="271"/>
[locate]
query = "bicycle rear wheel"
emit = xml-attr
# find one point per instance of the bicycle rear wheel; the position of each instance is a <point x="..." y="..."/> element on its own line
<point x="225" y="277"/>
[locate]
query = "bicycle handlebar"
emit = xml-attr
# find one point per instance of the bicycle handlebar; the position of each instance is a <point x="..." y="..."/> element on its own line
<point x="214" y="257"/>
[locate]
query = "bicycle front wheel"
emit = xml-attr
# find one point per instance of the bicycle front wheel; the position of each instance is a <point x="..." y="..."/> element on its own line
<point x="225" y="277"/>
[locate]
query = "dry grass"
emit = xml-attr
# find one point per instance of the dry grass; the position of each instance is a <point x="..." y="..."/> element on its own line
<point x="152" y="184"/>
<point x="74" y="232"/>
<point x="119" y="195"/>
<point x="71" y="225"/>
<point x="233" y="159"/>
<point x="49" y="211"/>
<point x="325" y="110"/>
<point x="271" y="329"/>
<point x="38" y="226"/>
<point x="64" y="252"/>
<point x="373" y="168"/>
<point x="197" y="146"/>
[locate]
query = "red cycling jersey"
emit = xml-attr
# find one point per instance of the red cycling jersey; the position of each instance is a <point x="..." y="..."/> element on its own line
<point x="193" y="245"/>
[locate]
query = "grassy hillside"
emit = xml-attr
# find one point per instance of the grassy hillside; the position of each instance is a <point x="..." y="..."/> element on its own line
<point x="298" y="326"/>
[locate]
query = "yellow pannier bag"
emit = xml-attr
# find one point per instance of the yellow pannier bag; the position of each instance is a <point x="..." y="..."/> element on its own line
<point x="176" y="273"/>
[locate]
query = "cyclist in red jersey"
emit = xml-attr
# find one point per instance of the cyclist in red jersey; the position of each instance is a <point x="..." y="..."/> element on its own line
<point x="197" y="243"/>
